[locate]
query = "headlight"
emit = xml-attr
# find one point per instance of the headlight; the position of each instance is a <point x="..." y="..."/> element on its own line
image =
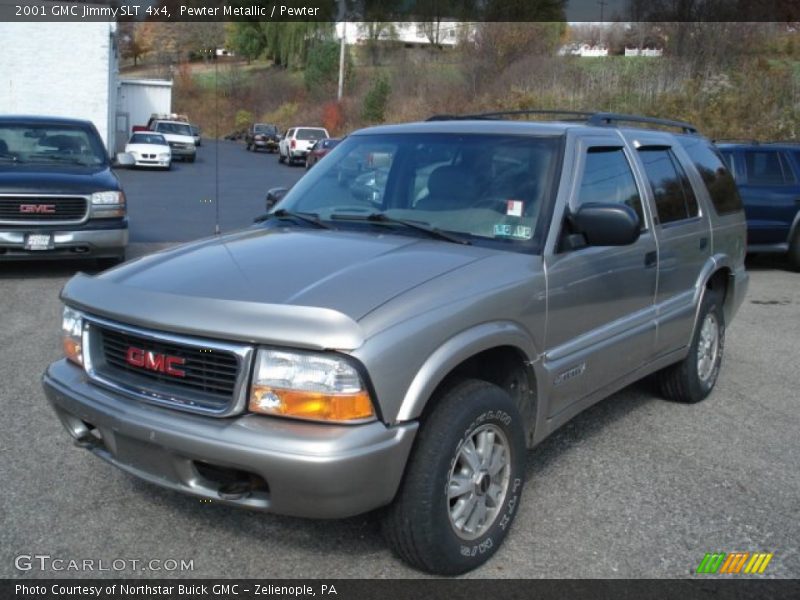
<point x="108" y="204"/>
<point x="305" y="385"/>
<point x="164" y="156"/>
<point x="72" y="333"/>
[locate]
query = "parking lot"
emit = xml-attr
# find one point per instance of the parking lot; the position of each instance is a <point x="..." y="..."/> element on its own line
<point x="635" y="487"/>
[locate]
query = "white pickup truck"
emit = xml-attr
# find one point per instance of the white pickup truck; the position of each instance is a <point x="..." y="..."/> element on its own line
<point x="296" y="144"/>
<point x="179" y="136"/>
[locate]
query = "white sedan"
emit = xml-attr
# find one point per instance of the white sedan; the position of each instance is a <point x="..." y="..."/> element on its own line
<point x="149" y="150"/>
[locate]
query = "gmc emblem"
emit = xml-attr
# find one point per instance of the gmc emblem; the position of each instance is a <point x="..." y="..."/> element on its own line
<point x="153" y="361"/>
<point x="42" y="209"/>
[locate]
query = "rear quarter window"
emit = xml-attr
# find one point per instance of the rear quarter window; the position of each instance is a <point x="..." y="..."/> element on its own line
<point x="717" y="178"/>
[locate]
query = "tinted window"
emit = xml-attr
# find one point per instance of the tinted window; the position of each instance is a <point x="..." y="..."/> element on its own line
<point x="764" y="167"/>
<point x="675" y="199"/>
<point x="718" y="179"/>
<point x="607" y="177"/>
<point x="310" y="134"/>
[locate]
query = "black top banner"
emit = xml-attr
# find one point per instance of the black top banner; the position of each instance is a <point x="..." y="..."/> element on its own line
<point x="410" y="589"/>
<point x="787" y="11"/>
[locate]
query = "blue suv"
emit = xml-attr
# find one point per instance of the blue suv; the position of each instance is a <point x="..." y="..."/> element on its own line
<point x="768" y="176"/>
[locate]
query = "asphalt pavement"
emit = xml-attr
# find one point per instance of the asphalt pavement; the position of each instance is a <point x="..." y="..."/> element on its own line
<point x="634" y="487"/>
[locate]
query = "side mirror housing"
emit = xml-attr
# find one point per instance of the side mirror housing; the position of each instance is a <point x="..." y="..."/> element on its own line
<point x="274" y="196"/>
<point x="605" y="224"/>
<point x="125" y="159"/>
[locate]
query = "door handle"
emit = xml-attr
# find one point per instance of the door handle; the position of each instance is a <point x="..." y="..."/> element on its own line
<point x="703" y="243"/>
<point x="650" y="259"/>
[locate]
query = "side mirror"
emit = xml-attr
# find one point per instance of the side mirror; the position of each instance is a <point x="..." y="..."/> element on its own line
<point x="274" y="196"/>
<point x="125" y="159"/>
<point x="601" y="224"/>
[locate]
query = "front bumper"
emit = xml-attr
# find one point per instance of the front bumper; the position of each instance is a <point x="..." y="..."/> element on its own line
<point x="180" y="152"/>
<point x="79" y="243"/>
<point x="310" y="469"/>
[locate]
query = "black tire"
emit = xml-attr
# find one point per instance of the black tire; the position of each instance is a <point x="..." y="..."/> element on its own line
<point x="248" y="147"/>
<point x="192" y="158"/>
<point x="418" y="526"/>
<point x="794" y="251"/>
<point x="683" y="381"/>
<point x="280" y="156"/>
<point x="109" y="262"/>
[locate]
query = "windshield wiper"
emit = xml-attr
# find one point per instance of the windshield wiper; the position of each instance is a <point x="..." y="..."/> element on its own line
<point x="282" y="213"/>
<point x="379" y="217"/>
<point x="57" y="158"/>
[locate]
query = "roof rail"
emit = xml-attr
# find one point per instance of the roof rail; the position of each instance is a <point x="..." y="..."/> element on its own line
<point x="574" y="115"/>
<point x="607" y="118"/>
<point x="736" y="141"/>
<point x="588" y="117"/>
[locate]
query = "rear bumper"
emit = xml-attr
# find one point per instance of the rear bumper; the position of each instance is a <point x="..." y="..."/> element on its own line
<point x="309" y="470"/>
<point x="79" y="243"/>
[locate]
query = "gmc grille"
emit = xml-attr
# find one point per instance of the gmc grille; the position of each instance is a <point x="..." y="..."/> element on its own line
<point x="44" y="209"/>
<point x="213" y="380"/>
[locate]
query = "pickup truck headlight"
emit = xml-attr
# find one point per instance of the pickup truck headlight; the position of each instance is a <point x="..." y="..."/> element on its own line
<point x="307" y="385"/>
<point x="108" y="204"/>
<point x="72" y="333"/>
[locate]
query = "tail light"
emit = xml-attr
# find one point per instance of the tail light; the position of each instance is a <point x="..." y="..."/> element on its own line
<point x="293" y="144"/>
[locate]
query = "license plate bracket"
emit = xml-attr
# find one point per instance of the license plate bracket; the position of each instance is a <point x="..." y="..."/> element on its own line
<point x="39" y="241"/>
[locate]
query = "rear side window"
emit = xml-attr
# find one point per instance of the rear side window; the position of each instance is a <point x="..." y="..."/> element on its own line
<point x="607" y="177"/>
<point x="310" y="134"/>
<point x="718" y="179"/>
<point x="767" y="167"/>
<point x="674" y="196"/>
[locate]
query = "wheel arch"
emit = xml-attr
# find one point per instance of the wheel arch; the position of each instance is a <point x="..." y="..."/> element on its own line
<point x="500" y="353"/>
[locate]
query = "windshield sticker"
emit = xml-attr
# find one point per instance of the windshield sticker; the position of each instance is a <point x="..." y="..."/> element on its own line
<point x="517" y="232"/>
<point x="514" y="208"/>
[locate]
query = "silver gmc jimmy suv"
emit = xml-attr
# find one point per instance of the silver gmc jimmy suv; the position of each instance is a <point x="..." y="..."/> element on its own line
<point x="430" y="301"/>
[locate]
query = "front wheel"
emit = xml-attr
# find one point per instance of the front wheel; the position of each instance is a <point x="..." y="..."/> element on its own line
<point x="692" y="379"/>
<point x="794" y="251"/>
<point x="463" y="482"/>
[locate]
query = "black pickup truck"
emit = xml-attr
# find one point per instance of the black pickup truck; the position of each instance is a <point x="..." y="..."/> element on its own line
<point x="58" y="195"/>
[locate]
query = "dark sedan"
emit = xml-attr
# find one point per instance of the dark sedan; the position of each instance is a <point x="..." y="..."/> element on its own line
<point x="320" y="149"/>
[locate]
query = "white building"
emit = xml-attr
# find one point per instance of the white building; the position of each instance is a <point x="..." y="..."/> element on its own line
<point x="138" y="100"/>
<point x="64" y="69"/>
<point x="445" y="32"/>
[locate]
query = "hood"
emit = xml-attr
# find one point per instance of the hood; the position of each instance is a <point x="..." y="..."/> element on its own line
<point x="305" y="287"/>
<point x="176" y="137"/>
<point x="52" y="178"/>
<point x="351" y="272"/>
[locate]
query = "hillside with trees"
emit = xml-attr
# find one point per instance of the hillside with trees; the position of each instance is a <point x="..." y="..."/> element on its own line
<point x="734" y="80"/>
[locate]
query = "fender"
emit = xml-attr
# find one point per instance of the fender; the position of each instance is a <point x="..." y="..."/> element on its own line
<point x="712" y="265"/>
<point x="456" y="350"/>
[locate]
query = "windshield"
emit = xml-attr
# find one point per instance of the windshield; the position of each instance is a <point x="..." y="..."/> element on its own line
<point x="311" y="134"/>
<point x="148" y="138"/>
<point x="176" y="128"/>
<point x="489" y="189"/>
<point x="33" y="143"/>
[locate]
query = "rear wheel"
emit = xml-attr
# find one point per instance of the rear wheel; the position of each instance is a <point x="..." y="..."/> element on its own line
<point x="692" y="379"/>
<point x="280" y="156"/>
<point x="463" y="482"/>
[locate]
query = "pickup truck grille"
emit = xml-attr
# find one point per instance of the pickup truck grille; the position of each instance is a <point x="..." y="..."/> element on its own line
<point x="42" y="209"/>
<point x="181" y="372"/>
<point x="179" y="145"/>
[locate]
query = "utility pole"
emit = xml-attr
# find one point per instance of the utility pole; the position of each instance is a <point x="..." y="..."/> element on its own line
<point x="603" y="5"/>
<point x="341" y="61"/>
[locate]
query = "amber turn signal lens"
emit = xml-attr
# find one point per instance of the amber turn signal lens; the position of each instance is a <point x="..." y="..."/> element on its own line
<point x="73" y="351"/>
<point x="317" y="406"/>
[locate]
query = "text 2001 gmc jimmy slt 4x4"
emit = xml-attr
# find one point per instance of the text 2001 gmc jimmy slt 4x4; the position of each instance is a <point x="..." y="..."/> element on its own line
<point x="396" y="335"/>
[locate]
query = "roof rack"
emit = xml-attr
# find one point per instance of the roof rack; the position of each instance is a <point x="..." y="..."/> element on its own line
<point x="736" y="141"/>
<point x="589" y="117"/>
